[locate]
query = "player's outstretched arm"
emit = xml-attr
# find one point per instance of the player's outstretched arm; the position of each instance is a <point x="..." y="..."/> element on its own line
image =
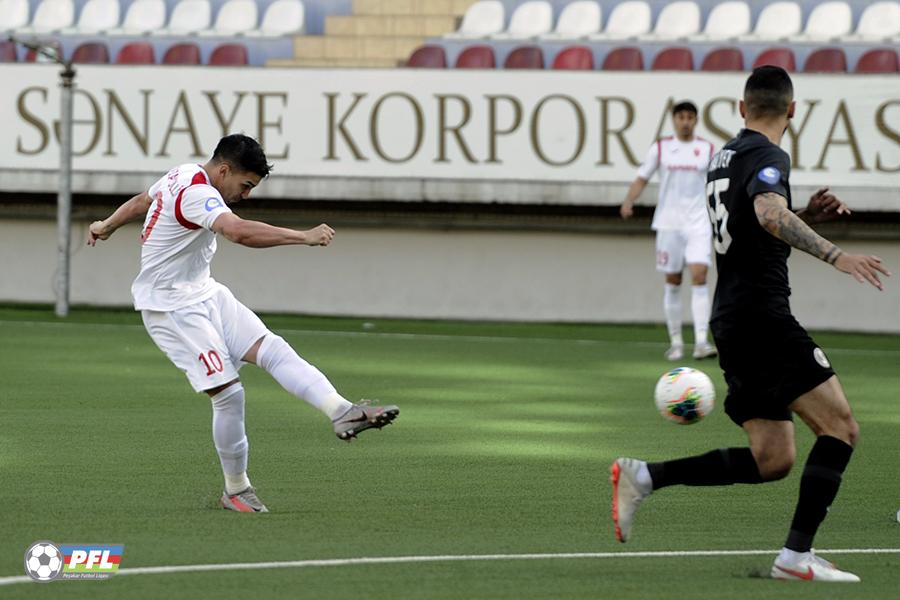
<point x="823" y="206"/>
<point x="132" y="210"/>
<point x="634" y="192"/>
<point x="256" y="234"/>
<point x="774" y="216"/>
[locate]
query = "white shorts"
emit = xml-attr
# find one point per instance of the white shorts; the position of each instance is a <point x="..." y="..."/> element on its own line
<point x="206" y="340"/>
<point x="675" y="248"/>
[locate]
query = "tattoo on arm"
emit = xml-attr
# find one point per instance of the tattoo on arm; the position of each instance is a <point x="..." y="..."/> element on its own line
<point x="774" y="216"/>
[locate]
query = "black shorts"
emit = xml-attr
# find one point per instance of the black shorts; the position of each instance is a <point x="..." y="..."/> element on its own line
<point x="768" y="362"/>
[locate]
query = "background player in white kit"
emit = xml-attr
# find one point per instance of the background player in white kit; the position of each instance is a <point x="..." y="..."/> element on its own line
<point x="199" y="324"/>
<point x="683" y="232"/>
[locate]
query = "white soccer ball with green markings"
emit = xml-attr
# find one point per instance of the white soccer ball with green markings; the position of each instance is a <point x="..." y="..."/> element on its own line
<point x="685" y="395"/>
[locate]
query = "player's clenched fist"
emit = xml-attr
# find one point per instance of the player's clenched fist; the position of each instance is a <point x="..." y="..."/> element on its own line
<point x="320" y="236"/>
<point x="97" y="231"/>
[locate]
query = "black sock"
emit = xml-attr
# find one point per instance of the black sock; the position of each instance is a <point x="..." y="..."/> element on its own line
<point x="724" y="466"/>
<point x="818" y="488"/>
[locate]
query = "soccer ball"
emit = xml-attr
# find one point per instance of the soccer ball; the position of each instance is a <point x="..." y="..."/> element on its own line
<point x="685" y="395"/>
<point x="43" y="561"/>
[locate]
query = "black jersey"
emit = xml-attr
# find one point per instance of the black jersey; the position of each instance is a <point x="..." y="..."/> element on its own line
<point x="751" y="262"/>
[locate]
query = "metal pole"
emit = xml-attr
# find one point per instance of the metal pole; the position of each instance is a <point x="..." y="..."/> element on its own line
<point x="64" y="198"/>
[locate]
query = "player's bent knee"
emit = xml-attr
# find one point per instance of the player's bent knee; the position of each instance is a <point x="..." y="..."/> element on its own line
<point x="775" y="463"/>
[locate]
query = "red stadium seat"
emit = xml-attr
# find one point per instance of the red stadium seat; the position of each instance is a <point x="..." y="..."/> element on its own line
<point x="723" y="59"/>
<point x="673" y="59"/>
<point x="476" y="57"/>
<point x="575" y="58"/>
<point x="182" y="54"/>
<point x="525" y="57"/>
<point x="8" y="52"/>
<point x="826" y="60"/>
<point x="229" y="55"/>
<point x="428" y="57"/>
<point x="136" y="53"/>
<point x="624" y="59"/>
<point x="777" y="57"/>
<point x="91" y="53"/>
<point x="31" y="55"/>
<point x="879" y="60"/>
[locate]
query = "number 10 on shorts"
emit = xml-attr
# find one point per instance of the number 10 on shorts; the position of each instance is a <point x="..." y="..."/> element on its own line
<point x="212" y="362"/>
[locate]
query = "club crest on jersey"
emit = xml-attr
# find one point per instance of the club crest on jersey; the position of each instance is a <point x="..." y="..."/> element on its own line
<point x="770" y="175"/>
<point x="213" y="203"/>
<point x="821" y="358"/>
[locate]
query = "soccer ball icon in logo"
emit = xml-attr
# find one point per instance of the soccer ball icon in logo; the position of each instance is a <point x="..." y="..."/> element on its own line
<point x="685" y="395"/>
<point x="43" y="561"/>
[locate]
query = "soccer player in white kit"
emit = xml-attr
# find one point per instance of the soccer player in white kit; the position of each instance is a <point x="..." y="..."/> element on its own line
<point x="681" y="222"/>
<point x="197" y="322"/>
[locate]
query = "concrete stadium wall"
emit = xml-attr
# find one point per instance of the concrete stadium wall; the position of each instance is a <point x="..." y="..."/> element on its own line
<point x="522" y="276"/>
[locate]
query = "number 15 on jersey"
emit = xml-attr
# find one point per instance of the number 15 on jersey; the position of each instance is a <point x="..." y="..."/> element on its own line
<point x="718" y="214"/>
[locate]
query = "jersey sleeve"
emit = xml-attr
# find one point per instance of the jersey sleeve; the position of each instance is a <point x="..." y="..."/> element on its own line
<point x="770" y="173"/>
<point x="200" y="205"/>
<point x="156" y="187"/>
<point x="651" y="162"/>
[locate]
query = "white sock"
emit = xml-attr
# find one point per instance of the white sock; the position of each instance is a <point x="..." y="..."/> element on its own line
<point x="230" y="438"/>
<point x="672" y="308"/>
<point x="643" y="478"/>
<point x="700" y="311"/>
<point x="790" y="556"/>
<point x="298" y="377"/>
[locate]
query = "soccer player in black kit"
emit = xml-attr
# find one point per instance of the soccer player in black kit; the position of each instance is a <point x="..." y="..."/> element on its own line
<point x="771" y="365"/>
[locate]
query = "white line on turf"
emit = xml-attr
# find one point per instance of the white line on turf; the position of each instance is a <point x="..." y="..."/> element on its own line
<point x="382" y="560"/>
<point x="438" y="336"/>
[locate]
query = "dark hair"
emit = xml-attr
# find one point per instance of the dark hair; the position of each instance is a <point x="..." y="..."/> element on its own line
<point x="684" y="106"/>
<point x="243" y="153"/>
<point x="768" y="92"/>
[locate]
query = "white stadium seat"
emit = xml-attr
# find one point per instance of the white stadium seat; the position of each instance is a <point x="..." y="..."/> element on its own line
<point x="96" y="16"/>
<point x="282" y="17"/>
<point x="726" y="20"/>
<point x="235" y="17"/>
<point x="828" y="21"/>
<point x="482" y="19"/>
<point x="13" y="14"/>
<point x="578" y="19"/>
<point x="143" y="16"/>
<point x="880" y="21"/>
<point x="627" y="20"/>
<point x="188" y="16"/>
<point x="51" y="15"/>
<point x="777" y="21"/>
<point x="676" y="20"/>
<point x="530" y="19"/>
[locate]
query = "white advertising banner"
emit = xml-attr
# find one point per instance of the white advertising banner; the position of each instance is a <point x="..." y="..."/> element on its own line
<point x="500" y="126"/>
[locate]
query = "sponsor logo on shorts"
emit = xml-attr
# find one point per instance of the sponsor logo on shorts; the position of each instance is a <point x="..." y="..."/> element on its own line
<point x="821" y="358"/>
<point x="213" y="203"/>
<point x="770" y="175"/>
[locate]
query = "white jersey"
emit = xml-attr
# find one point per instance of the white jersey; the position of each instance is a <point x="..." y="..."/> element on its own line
<point x="682" y="182"/>
<point x="177" y="241"/>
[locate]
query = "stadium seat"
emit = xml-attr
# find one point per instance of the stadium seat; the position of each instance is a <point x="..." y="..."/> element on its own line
<point x="229" y="55"/>
<point x="234" y="18"/>
<point x="50" y="15"/>
<point x="96" y="16"/>
<point x="723" y="59"/>
<point x="53" y="45"/>
<point x="476" y="57"/>
<point x="879" y="21"/>
<point x="182" y="54"/>
<point x="142" y="16"/>
<point x="136" y="53"/>
<point x="673" y="59"/>
<point x="189" y="16"/>
<point x="777" y="57"/>
<point x="8" y="52"/>
<point x="578" y="19"/>
<point x="826" y="60"/>
<point x="827" y="21"/>
<point x="879" y="60"/>
<point x="525" y="57"/>
<point x="530" y="19"/>
<point x="676" y="20"/>
<point x="482" y="19"/>
<point x="779" y="20"/>
<point x="13" y="14"/>
<point x="574" y="58"/>
<point x="627" y="58"/>
<point x="428" y="57"/>
<point x="726" y="20"/>
<point x="282" y="17"/>
<point x="91" y="53"/>
<point x="627" y="20"/>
